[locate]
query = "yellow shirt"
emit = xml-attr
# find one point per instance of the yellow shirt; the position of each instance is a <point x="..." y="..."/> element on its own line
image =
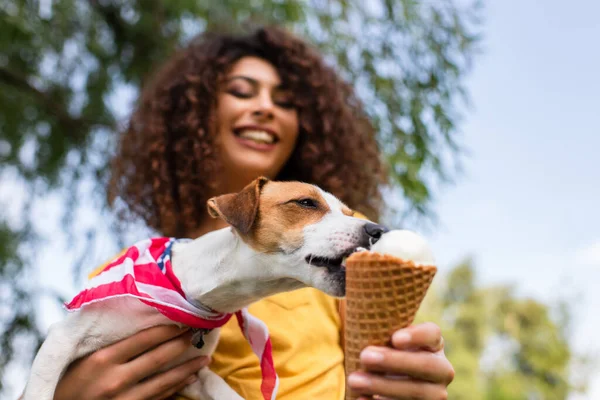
<point x="305" y="331"/>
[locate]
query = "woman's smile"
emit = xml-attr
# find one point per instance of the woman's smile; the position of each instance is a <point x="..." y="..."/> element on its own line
<point x="256" y="138"/>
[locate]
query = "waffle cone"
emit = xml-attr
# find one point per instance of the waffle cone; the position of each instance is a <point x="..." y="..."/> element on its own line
<point x="383" y="294"/>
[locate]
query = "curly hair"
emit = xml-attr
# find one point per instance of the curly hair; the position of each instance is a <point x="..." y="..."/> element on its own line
<point x="167" y="162"/>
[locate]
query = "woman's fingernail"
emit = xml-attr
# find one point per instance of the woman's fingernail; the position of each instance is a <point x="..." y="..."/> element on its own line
<point x="358" y="381"/>
<point x="401" y="337"/>
<point x="191" y="379"/>
<point x="371" y="356"/>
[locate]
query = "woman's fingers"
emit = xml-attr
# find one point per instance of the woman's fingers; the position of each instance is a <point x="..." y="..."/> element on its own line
<point x="131" y="347"/>
<point x="415" y="367"/>
<point x="166" y="383"/>
<point x="368" y="384"/>
<point x="421" y="365"/>
<point x="159" y="357"/>
<point x="170" y="392"/>
<point x="422" y="336"/>
<point x="120" y="372"/>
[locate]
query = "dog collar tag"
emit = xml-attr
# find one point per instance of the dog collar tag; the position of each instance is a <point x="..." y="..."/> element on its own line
<point x="198" y="337"/>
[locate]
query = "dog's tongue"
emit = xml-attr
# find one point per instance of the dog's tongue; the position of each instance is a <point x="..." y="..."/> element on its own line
<point x="406" y="245"/>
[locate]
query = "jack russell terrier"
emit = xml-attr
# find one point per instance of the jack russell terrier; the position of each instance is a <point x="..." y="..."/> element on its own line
<point x="282" y="236"/>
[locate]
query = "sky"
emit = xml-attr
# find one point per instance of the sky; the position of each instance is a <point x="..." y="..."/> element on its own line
<point x="526" y="206"/>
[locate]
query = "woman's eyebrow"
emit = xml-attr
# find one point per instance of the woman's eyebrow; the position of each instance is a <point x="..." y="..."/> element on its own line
<point x="252" y="81"/>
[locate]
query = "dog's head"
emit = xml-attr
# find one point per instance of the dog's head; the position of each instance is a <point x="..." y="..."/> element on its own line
<point x="302" y="232"/>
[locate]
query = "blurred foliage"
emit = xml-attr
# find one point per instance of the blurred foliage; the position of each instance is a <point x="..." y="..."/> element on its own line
<point x="502" y="346"/>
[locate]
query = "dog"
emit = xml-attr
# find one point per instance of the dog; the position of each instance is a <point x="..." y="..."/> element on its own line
<point x="281" y="236"/>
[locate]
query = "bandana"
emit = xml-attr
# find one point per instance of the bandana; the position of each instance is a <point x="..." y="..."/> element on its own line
<point x="143" y="271"/>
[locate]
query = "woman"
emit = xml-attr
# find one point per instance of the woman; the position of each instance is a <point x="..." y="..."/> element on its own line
<point x="218" y="114"/>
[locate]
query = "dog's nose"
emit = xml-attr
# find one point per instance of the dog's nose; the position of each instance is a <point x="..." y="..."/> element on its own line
<point x="374" y="231"/>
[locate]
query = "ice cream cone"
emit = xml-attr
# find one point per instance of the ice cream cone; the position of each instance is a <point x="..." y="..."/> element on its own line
<point x="383" y="294"/>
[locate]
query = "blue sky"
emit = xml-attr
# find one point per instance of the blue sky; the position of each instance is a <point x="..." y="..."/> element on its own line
<point x="527" y="208"/>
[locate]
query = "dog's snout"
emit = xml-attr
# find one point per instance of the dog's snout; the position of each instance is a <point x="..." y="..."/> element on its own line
<point x="374" y="231"/>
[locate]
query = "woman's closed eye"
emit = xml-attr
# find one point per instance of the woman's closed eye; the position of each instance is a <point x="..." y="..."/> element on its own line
<point x="283" y="97"/>
<point x="285" y="103"/>
<point x="241" y="87"/>
<point x="239" y="93"/>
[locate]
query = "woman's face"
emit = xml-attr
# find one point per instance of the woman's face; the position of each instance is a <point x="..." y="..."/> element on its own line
<point x="257" y="122"/>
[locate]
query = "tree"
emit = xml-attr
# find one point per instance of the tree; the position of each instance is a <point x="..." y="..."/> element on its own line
<point x="65" y="66"/>
<point x="503" y="347"/>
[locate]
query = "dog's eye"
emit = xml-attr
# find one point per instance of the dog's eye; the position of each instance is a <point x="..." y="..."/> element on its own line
<point x="307" y="203"/>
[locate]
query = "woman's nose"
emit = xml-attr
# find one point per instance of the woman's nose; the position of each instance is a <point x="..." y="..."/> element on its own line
<point x="263" y="106"/>
<point x="263" y="113"/>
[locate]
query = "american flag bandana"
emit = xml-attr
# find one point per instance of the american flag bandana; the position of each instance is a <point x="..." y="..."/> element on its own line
<point x="143" y="271"/>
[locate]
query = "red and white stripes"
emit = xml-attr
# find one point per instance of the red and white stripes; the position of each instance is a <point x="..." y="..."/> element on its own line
<point x="143" y="271"/>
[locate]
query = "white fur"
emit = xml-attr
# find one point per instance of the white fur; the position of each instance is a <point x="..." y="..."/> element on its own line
<point x="218" y="270"/>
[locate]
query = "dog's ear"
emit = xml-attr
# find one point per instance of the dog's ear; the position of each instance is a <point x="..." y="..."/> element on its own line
<point x="238" y="209"/>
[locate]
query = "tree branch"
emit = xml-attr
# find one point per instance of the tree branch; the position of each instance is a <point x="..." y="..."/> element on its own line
<point x="51" y="106"/>
<point x="110" y="14"/>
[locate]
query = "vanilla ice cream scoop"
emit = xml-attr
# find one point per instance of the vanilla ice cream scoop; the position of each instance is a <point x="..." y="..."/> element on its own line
<point x="406" y="245"/>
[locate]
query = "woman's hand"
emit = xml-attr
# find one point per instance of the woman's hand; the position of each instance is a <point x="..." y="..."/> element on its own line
<point x="414" y="368"/>
<point x="125" y="370"/>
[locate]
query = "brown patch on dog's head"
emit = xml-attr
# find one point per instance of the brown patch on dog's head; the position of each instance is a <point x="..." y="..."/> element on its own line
<point x="238" y="209"/>
<point x="271" y="218"/>
<point x="285" y="209"/>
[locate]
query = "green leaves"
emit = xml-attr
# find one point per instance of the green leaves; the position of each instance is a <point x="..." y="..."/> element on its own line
<point x="503" y="346"/>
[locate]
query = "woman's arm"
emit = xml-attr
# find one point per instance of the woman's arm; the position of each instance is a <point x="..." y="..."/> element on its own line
<point x="126" y="370"/>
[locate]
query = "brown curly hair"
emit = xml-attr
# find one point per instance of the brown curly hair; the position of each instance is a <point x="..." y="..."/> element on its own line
<point x="166" y="162"/>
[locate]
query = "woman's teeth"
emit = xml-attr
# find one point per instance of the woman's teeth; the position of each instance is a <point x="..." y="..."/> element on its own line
<point x="258" y="136"/>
